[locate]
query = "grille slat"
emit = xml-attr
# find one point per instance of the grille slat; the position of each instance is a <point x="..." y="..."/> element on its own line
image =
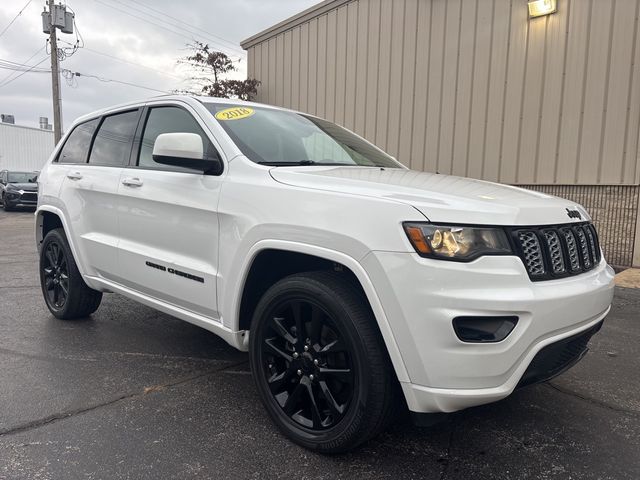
<point x="532" y="253"/>
<point x="553" y="252"/>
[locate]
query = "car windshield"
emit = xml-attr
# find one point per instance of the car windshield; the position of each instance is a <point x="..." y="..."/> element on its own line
<point x="22" y="177"/>
<point x="281" y="138"/>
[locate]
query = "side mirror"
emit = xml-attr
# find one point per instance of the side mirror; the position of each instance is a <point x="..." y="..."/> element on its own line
<point x="184" y="150"/>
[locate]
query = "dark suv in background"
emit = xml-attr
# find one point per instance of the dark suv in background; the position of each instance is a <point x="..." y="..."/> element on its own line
<point x="18" y="189"/>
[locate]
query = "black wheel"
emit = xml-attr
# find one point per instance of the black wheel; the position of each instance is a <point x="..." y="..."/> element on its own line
<point x="319" y="362"/>
<point x="63" y="288"/>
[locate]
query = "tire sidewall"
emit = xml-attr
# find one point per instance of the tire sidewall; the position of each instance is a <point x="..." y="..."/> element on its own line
<point x="291" y="289"/>
<point x="60" y="239"/>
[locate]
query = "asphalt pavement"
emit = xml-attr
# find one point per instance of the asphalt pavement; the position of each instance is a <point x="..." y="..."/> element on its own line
<point x="134" y="393"/>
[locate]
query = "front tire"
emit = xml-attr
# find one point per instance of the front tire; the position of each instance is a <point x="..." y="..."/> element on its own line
<point x="319" y="362"/>
<point x="66" y="294"/>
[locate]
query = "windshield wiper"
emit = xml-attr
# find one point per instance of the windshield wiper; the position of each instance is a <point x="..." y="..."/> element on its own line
<point x="304" y="163"/>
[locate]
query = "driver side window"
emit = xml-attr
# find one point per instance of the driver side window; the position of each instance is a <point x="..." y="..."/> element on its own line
<point x="170" y="120"/>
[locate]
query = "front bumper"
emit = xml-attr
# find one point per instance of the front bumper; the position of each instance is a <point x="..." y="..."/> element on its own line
<point x="422" y="296"/>
<point x="21" y="199"/>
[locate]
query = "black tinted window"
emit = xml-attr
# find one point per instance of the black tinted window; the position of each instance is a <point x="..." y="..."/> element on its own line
<point x="112" y="145"/>
<point x="170" y="120"/>
<point x="76" y="147"/>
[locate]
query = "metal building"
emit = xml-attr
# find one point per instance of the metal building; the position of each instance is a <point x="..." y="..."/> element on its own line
<point x="24" y="148"/>
<point x="477" y="88"/>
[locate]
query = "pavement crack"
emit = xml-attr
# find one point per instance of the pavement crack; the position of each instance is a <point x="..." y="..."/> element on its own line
<point x="138" y="394"/>
<point x="592" y="401"/>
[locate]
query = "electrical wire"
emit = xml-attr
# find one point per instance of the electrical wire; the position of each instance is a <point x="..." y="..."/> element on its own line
<point x="191" y="38"/>
<point x="114" y="57"/>
<point x="234" y="47"/>
<point x="26" y="71"/>
<point x="234" y="44"/>
<point x="15" y="18"/>
<point x="68" y="73"/>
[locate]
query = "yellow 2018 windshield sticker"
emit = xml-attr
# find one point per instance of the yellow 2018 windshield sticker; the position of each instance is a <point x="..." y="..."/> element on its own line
<point x="235" y="113"/>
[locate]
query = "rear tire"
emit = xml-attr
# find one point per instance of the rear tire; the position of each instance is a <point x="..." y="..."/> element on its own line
<point x="319" y="362"/>
<point x="66" y="294"/>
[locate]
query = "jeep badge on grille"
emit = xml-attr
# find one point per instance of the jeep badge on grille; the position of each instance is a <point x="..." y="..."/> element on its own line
<point x="574" y="214"/>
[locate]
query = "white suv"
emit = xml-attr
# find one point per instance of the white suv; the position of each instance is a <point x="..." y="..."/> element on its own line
<point x="353" y="282"/>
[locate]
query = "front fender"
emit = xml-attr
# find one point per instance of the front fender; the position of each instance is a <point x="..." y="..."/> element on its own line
<point x="231" y="305"/>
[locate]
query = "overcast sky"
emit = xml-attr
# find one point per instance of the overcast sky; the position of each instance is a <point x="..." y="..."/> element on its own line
<point x="152" y="50"/>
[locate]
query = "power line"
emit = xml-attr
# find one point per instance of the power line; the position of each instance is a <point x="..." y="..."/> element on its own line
<point x="109" y="80"/>
<point x="97" y="52"/>
<point x="15" y="18"/>
<point x="189" y="30"/>
<point x="191" y="38"/>
<point x="26" y="71"/>
<point x="234" y="44"/>
<point x="10" y="65"/>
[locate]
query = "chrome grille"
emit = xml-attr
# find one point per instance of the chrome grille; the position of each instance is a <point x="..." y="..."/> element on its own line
<point x="557" y="251"/>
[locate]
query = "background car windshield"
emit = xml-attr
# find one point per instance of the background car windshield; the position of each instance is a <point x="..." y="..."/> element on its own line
<point x="277" y="137"/>
<point x="22" y="177"/>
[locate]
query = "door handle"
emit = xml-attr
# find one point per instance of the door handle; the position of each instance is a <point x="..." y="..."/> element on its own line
<point x="74" y="176"/>
<point x="132" y="182"/>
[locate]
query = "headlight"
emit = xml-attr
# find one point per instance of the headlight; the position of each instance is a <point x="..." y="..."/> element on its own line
<point x="461" y="243"/>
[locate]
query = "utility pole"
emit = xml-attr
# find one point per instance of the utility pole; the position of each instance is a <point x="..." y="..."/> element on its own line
<point x="56" y="17"/>
<point x="55" y="81"/>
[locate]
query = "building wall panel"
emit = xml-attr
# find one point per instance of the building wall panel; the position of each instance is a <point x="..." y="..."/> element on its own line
<point x="24" y="148"/>
<point x="471" y="87"/>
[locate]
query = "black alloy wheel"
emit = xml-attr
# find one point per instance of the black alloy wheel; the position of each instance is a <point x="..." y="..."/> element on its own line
<point x="56" y="275"/>
<point x="306" y="364"/>
<point x="319" y="362"/>
<point x="65" y="292"/>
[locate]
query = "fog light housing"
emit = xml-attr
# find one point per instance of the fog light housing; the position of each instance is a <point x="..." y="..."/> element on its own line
<point x="484" y="329"/>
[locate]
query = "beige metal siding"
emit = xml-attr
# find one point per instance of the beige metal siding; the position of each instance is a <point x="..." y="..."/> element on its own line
<point x="470" y="87"/>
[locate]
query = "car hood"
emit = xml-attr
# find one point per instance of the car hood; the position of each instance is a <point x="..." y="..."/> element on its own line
<point x="441" y="198"/>
<point x="27" y="187"/>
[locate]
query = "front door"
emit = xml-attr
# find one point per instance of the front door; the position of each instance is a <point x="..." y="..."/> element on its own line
<point x="168" y="219"/>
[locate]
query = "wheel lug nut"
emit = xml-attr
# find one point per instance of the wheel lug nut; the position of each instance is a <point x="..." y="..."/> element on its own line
<point x="306" y="348"/>
<point x="300" y="372"/>
<point x="311" y="377"/>
<point x="316" y="362"/>
<point x="296" y="354"/>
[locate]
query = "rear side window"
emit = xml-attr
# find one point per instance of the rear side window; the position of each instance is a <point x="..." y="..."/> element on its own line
<point x="170" y="120"/>
<point x="112" y="145"/>
<point x="76" y="148"/>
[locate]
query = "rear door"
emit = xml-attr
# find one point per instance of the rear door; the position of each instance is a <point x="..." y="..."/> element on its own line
<point x="94" y="156"/>
<point x="168" y="218"/>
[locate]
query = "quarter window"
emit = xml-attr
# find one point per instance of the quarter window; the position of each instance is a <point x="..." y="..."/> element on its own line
<point x="112" y="145"/>
<point x="76" y="148"/>
<point x="170" y="120"/>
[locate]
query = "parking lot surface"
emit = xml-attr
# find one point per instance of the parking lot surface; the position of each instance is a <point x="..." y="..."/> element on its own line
<point x="134" y="393"/>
